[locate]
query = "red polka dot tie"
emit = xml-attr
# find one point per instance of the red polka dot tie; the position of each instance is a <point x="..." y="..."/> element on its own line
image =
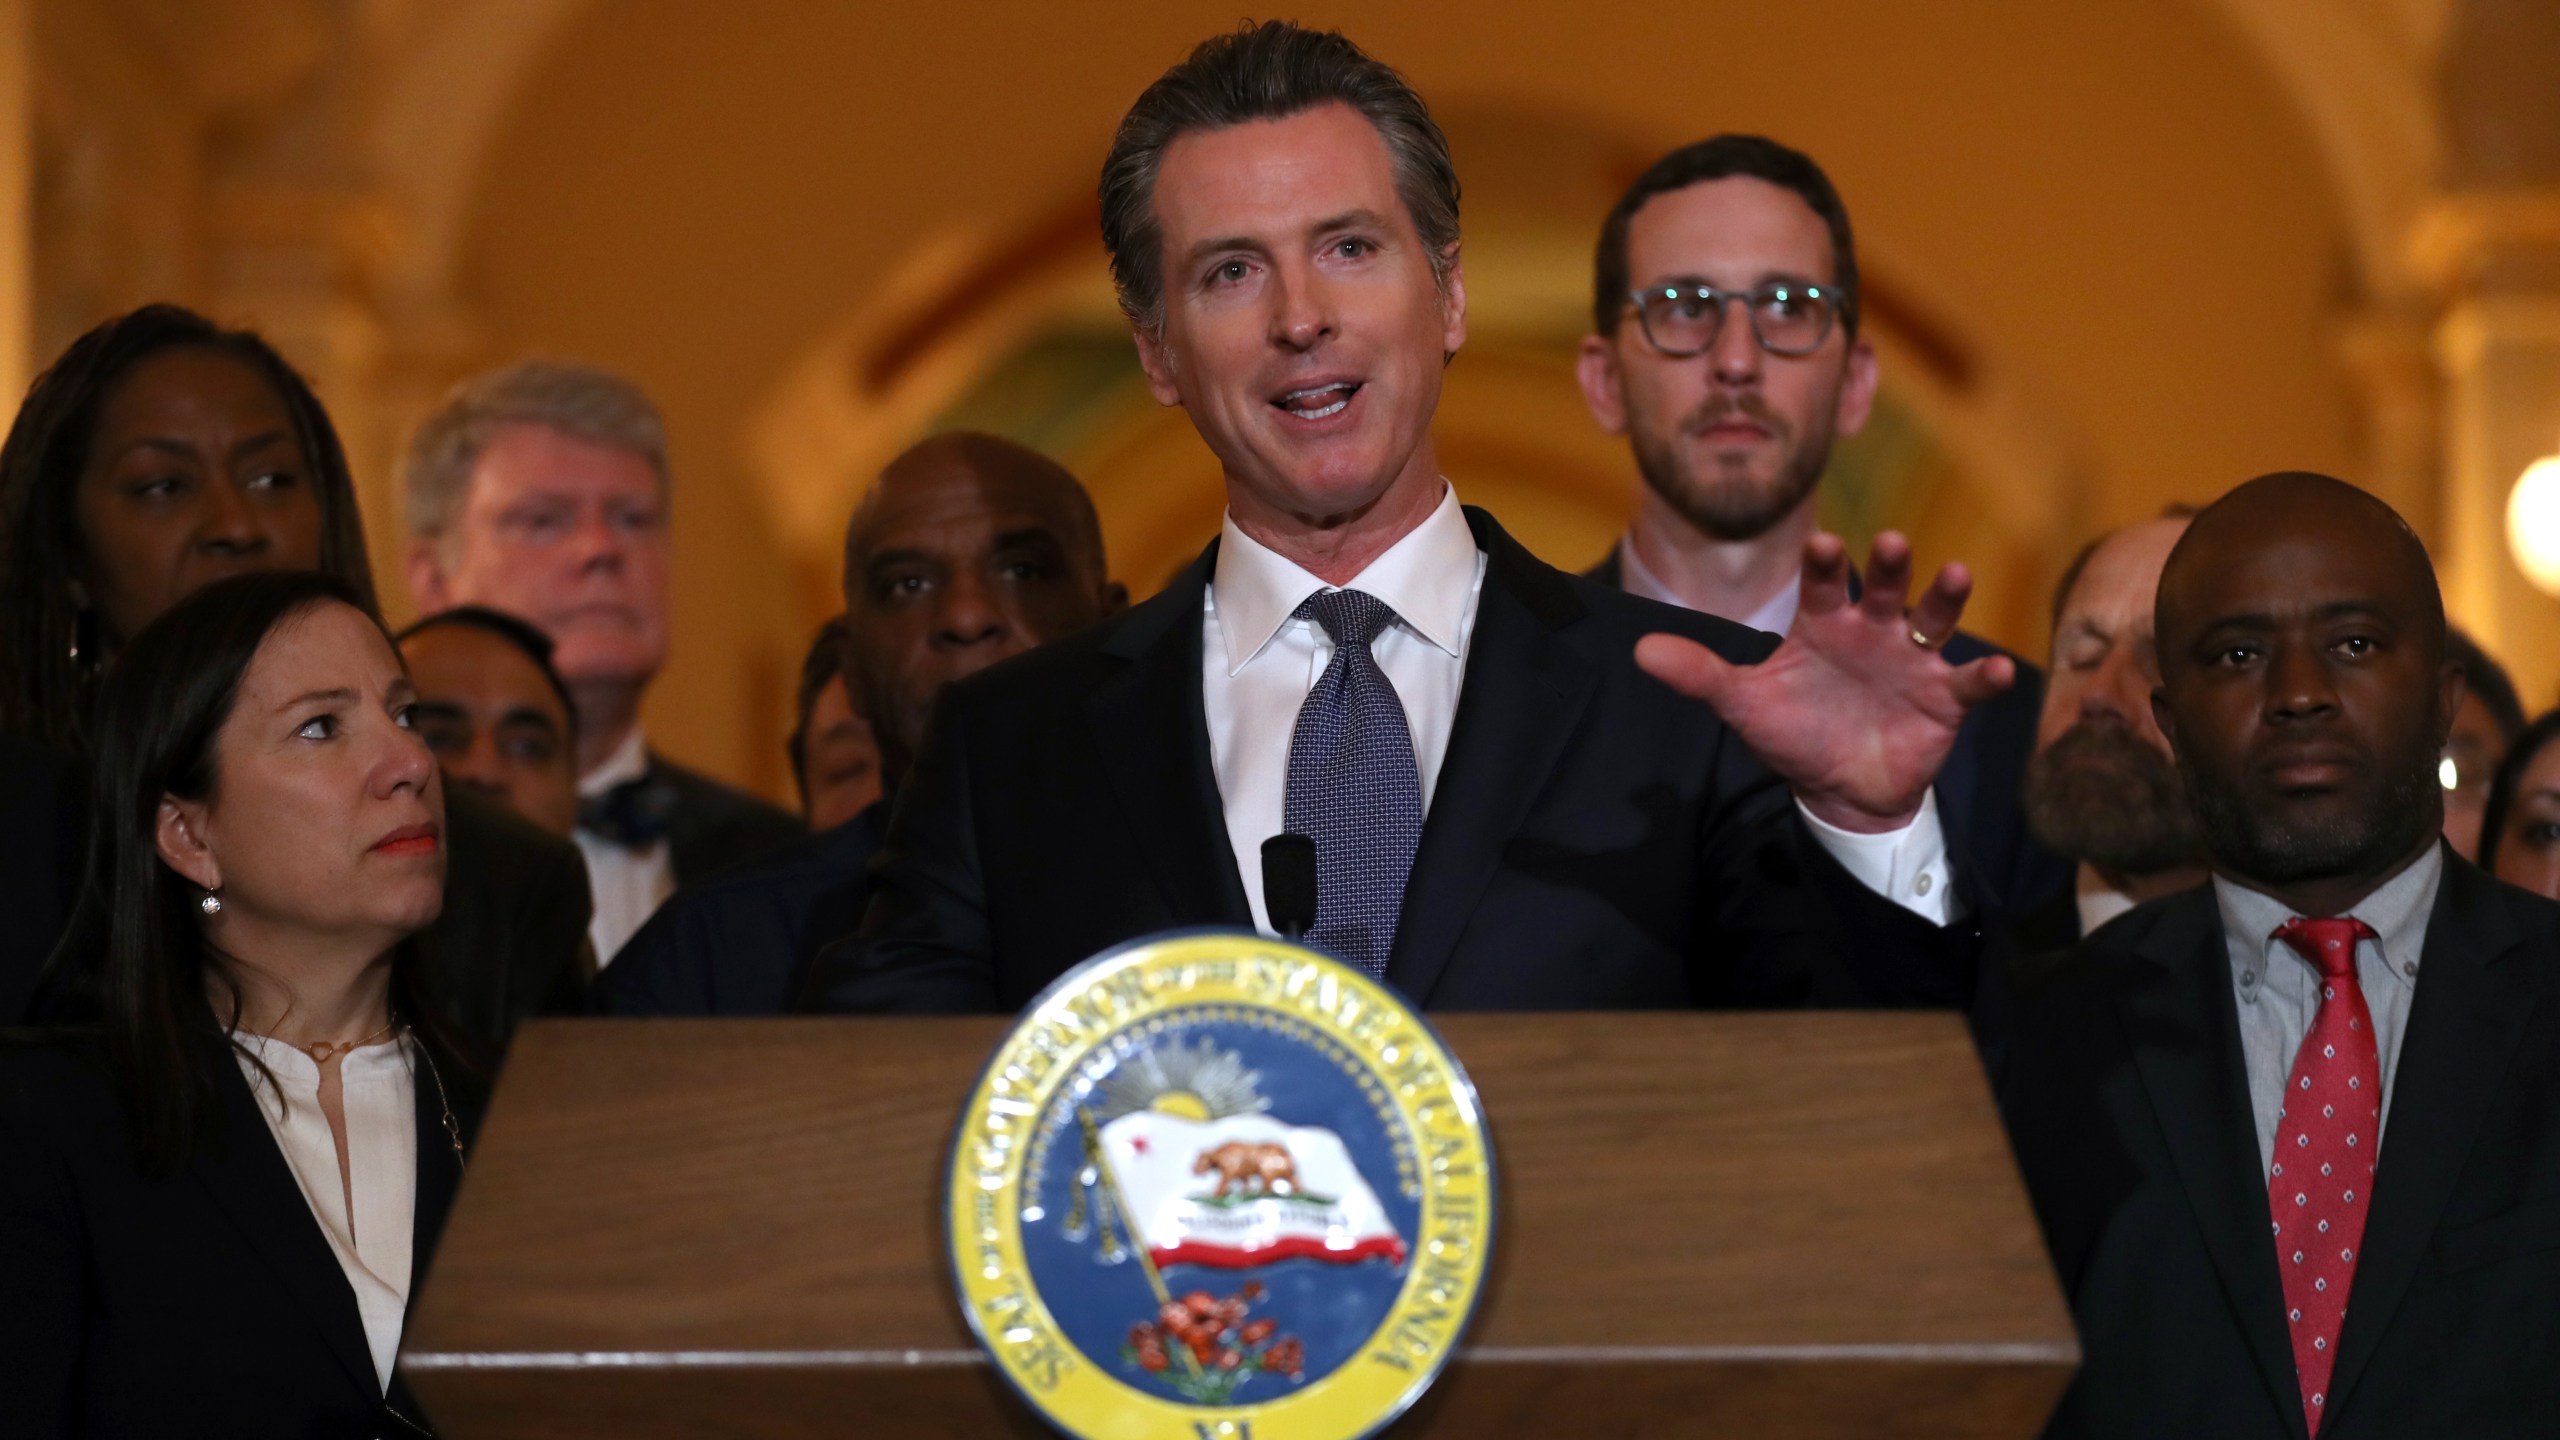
<point x="2322" y="1177"/>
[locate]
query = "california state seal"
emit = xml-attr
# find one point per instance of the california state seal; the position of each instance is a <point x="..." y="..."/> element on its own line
<point x="1215" y="1185"/>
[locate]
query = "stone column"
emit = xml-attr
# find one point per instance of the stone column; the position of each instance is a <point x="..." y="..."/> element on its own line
<point x="2497" y="257"/>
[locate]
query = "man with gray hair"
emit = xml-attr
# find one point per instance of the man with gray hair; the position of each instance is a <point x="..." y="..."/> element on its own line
<point x="541" y="490"/>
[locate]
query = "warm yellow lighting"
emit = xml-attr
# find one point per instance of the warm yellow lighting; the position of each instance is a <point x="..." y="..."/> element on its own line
<point x="2533" y="524"/>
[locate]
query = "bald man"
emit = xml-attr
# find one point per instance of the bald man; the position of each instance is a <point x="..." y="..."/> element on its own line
<point x="968" y="549"/>
<point x="2100" y="787"/>
<point x="2295" y="1136"/>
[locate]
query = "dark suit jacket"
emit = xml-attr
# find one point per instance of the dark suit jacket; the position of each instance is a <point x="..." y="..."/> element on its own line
<point x="2129" y="1107"/>
<point x="512" y="940"/>
<point x="711" y="826"/>
<point x="739" y="944"/>
<point x="1978" y="789"/>
<point x="1595" y="840"/>
<point x="39" y="864"/>
<point x="205" y="1303"/>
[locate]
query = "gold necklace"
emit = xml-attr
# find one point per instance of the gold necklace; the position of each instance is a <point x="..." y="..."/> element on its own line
<point x="323" y="1051"/>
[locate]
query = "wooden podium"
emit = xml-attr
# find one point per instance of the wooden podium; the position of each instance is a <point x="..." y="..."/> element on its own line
<point x="1783" y="1225"/>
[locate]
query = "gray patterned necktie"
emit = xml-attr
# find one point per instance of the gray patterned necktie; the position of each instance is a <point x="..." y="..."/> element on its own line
<point x="1353" y="785"/>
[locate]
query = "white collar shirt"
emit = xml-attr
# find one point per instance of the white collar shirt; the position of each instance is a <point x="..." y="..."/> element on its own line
<point x="367" y="1209"/>
<point x="629" y="884"/>
<point x="1258" y="661"/>
<point x="1775" y="615"/>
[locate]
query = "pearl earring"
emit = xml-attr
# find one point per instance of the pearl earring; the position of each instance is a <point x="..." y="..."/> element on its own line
<point x="211" y="904"/>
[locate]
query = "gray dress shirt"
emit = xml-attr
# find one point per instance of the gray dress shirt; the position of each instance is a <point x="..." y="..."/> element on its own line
<point x="2279" y="991"/>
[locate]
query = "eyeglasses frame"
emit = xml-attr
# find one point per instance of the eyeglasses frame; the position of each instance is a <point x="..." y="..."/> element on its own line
<point x="1837" y="297"/>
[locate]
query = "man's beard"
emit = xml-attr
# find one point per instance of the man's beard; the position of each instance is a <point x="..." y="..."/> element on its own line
<point x="2393" y="822"/>
<point x="2100" y="795"/>
<point x="1730" y="508"/>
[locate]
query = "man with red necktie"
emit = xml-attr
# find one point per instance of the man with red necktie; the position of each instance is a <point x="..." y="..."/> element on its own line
<point x="2295" y="1138"/>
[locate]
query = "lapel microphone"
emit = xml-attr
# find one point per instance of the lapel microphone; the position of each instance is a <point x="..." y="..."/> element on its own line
<point x="1289" y="884"/>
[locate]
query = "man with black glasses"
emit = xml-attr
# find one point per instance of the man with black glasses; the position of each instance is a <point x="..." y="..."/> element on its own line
<point x="1731" y="417"/>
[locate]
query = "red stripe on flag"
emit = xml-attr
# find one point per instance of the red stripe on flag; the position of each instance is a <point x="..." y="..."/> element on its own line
<point x="1291" y="1247"/>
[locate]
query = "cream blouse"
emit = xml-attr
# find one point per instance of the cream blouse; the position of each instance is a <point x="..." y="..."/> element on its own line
<point x="379" y="1088"/>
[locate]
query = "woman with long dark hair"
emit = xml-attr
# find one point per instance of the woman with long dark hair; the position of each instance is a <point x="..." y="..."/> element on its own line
<point x="159" y="452"/>
<point x="221" y="1174"/>
<point x="163" y="452"/>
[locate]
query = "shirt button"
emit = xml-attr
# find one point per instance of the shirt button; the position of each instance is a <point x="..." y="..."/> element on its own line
<point x="2410" y="969"/>
<point x="1921" y="885"/>
<point x="2248" y="977"/>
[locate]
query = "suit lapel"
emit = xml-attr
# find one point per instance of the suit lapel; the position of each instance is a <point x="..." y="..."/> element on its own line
<point x="250" y="1179"/>
<point x="1516" y="708"/>
<point x="1153" y="734"/>
<point x="2476" y="992"/>
<point x="2184" y="1032"/>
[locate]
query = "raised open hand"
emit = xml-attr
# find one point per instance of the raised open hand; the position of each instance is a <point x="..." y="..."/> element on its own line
<point x="1857" y="709"/>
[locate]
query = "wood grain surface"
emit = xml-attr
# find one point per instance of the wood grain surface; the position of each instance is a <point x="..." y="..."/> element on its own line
<point x="1772" y="1224"/>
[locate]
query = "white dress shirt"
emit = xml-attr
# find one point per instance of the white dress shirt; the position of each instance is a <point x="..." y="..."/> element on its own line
<point x="1775" y="614"/>
<point x="2097" y="907"/>
<point x="1258" y="663"/>
<point x="378" y="1091"/>
<point x="629" y="884"/>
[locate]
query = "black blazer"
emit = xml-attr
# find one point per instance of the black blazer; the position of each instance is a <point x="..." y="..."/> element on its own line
<point x="205" y="1303"/>
<point x="1595" y="840"/>
<point x="512" y="939"/>
<point x="2129" y="1107"/>
<point x="711" y="826"/>
<point x="1979" y="786"/>
<point x="39" y="864"/>
<point x="741" y="943"/>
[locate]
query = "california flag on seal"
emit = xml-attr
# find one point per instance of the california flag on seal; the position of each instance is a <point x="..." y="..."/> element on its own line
<point x="1243" y="1190"/>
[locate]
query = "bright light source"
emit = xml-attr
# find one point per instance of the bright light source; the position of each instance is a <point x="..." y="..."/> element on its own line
<point x="2533" y="524"/>
<point x="2448" y="774"/>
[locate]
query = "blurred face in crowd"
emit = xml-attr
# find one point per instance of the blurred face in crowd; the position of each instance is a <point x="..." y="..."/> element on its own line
<point x="494" y="723"/>
<point x="324" y="831"/>
<point x="571" y="535"/>
<point x="194" y="473"/>
<point x="2529" y="848"/>
<point x="965" y="552"/>
<point x="2305" y="688"/>
<point x="2475" y="747"/>
<point x="839" y="759"/>
<point x="1304" y="331"/>
<point x="2101" y="787"/>
<point x="1735" y="438"/>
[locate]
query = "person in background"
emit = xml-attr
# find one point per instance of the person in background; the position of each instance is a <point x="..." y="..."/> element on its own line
<point x="158" y="453"/>
<point x="495" y="713"/>
<point x="2102" y="787"/>
<point x="2520" y="829"/>
<point x="2482" y="730"/>
<point x="835" y="762"/>
<point x="223" y="1173"/>
<point x="2290" y="1135"/>
<point x="542" y="490"/>
<point x="1725" y="348"/>
<point x="968" y="550"/>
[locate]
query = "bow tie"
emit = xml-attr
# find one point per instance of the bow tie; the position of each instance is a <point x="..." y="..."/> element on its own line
<point x="633" y="814"/>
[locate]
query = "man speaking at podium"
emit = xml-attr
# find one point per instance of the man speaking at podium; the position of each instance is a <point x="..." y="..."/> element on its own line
<point x="1516" y="797"/>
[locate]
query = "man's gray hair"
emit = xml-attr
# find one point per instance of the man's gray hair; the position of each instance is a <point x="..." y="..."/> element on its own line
<point x="1268" y="71"/>
<point x="577" y="400"/>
